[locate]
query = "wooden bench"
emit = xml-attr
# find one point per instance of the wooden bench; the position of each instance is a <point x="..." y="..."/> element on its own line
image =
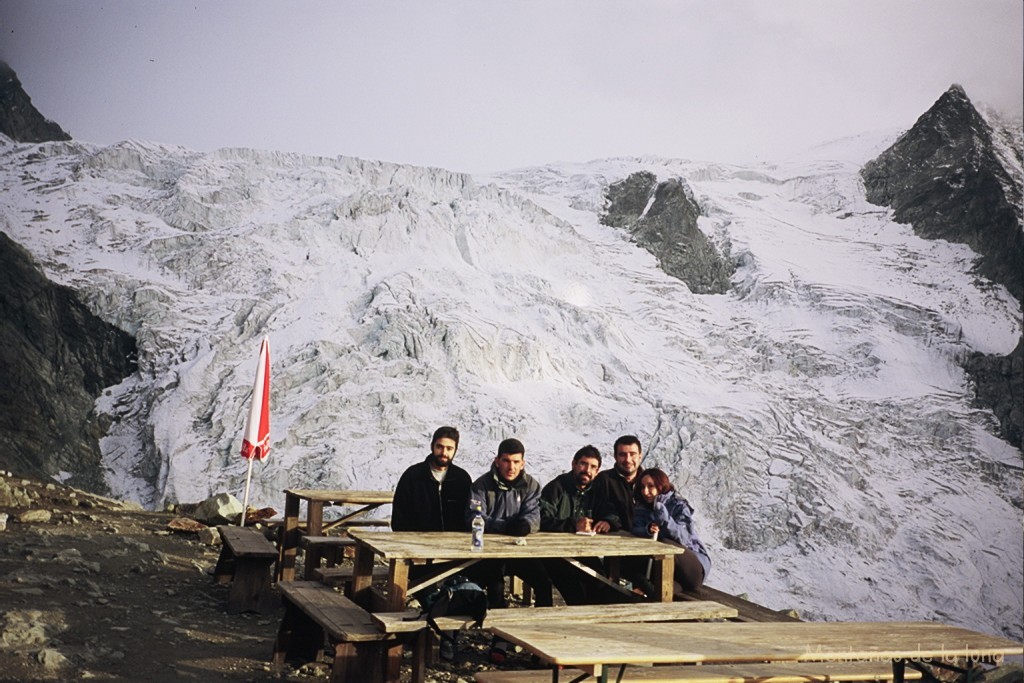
<point x="245" y="561"/>
<point x="771" y="672"/>
<point x="317" y="618"/>
<point x="327" y="549"/>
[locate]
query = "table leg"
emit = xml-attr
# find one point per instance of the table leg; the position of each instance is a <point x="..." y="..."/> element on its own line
<point x="289" y="540"/>
<point x="315" y="518"/>
<point x="899" y="667"/>
<point x="398" y="585"/>
<point x="664" y="569"/>
<point x="362" y="577"/>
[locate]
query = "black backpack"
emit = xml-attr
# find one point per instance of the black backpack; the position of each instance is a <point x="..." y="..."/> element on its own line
<point x="456" y="596"/>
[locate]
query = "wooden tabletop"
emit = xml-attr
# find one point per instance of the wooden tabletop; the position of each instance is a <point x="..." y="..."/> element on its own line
<point x="694" y="610"/>
<point x="343" y="497"/>
<point x="574" y="644"/>
<point x="455" y="545"/>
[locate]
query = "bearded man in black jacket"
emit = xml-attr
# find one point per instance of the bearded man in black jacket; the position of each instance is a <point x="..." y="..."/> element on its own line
<point x="432" y="495"/>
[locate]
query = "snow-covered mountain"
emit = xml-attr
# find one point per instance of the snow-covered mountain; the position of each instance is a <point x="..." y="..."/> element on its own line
<point x="816" y="415"/>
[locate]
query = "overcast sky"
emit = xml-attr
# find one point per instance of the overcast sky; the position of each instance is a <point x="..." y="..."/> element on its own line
<point x="481" y="85"/>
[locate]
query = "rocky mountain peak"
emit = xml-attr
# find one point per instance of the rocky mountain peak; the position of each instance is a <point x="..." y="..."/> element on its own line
<point x="19" y="119"/>
<point x="945" y="178"/>
<point x="953" y="121"/>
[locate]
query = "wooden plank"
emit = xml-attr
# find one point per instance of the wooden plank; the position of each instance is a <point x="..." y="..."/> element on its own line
<point x="386" y="522"/>
<point x="455" y="545"/>
<point x="246" y="541"/>
<point x="443" y="572"/>
<point x="333" y="576"/>
<point x="625" y="593"/>
<point x="326" y="542"/>
<point x="342" y="497"/>
<point x="341" y="619"/>
<point x="575" y="644"/>
<point x="773" y="672"/>
<point x="321" y="548"/>
<point x="403" y="622"/>
<point x="748" y="611"/>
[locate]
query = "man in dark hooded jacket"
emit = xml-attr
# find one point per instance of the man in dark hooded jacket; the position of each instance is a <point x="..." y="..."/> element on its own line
<point x="432" y="495"/>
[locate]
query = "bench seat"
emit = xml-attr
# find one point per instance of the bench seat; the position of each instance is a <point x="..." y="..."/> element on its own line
<point x="316" y="618"/>
<point x="327" y="549"/>
<point x="770" y="672"/>
<point x="245" y="562"/>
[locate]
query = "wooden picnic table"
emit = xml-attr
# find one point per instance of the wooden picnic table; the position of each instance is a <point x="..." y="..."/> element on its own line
<point x="316" y="501"/>
<point x="595" y="647"/>
<point x="404" y="548"/>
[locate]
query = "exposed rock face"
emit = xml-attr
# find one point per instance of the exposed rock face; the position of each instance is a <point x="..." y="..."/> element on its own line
<point x="947" y="178"/>
<point x="662" y="217"/>
<point x="944" y="177"/>
<point x="19" y="120"/>
<point x="55" y="358"/>
<point x="1000" y="385"/>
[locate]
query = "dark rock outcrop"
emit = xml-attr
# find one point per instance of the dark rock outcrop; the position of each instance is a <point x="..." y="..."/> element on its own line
<point x="999" y="382"/>
<point x="19" y="119"/>
<point x="668" y="229"/>
<point x="55" y="359"/>
<point x="944" y="176"/>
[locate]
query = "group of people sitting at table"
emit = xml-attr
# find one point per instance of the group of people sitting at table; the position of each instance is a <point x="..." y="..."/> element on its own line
<point x="437" y="495"/>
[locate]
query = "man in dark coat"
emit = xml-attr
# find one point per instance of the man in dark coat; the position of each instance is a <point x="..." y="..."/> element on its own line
<point x="567" y="501"/>
<point x="432" y="495"/>
<point x="613" y="496"/>
<point x="613" y="489"/>
<point x="567" y="504"/>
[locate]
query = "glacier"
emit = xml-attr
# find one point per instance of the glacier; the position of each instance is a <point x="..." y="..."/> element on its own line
<point x="817" y="415"/>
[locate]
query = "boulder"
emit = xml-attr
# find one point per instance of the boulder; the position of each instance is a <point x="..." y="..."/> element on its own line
<point x="222" y="508"/>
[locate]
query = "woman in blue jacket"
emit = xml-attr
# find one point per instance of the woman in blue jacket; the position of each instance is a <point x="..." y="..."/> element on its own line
<point x="663" y="514"/>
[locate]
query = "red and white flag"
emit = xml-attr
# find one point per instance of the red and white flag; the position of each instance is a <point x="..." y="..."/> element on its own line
<point x="256" y="439"/>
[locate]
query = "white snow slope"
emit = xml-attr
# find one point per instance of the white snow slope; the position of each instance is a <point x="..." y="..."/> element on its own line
<point x="816" y="416"/>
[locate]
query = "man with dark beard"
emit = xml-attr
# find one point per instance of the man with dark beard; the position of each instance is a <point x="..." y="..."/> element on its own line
<point x="567" y="504"/>
<point x="432" y="495"/>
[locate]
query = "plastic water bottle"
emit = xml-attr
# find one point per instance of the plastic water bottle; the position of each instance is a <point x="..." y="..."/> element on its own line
<point x="477" y="542"/>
